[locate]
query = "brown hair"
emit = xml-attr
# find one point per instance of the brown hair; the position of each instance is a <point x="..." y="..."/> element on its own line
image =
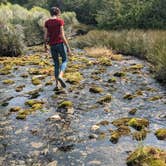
<point x="55" y="11"/>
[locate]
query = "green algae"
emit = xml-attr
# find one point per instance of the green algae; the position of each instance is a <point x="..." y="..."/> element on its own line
<point x="65" y="104"/>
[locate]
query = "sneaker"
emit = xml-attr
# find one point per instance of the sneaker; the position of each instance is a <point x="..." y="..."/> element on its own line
<point x="62" y="82"/>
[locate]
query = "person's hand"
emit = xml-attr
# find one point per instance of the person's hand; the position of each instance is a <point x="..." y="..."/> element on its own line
<point x="69" y="52"/>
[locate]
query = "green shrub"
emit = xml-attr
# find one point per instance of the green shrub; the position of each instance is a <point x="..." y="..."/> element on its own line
<point x="150" y="45"/>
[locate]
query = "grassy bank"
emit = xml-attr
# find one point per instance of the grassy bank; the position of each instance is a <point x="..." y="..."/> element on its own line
<point x="150" y="45"/>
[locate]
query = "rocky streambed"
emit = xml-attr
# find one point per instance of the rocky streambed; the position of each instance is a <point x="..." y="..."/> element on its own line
<point x="111" y="106"/>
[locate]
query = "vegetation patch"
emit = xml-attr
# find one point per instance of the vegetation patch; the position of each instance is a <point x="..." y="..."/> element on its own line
<point x="65" y="104"/>
<point x="147" y="155"/>
<point x="96" y="89"/>
<point x="105" y="99"/>
<point x="161" y="134"/>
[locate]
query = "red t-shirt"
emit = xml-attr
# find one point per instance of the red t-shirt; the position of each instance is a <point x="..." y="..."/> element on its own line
<point x="53" y="29"/>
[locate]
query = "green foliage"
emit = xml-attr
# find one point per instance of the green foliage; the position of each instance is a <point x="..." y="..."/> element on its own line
<point x="144" y="44"/>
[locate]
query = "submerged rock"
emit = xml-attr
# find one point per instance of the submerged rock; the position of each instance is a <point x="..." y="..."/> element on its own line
<point x="128" y="96"/>
<point x="20" y="88"/>
<point x="120" y="74"/>
<point x="147" y="155"/>
<point x="36" y="81"/>
<point x="121" y="122"/>
<point x="133" y="111"/>
<point x="15" y="109"/>
<point x="105" y="99"/>
<point x="112" y="80"/>
<point x="161" y="134"/>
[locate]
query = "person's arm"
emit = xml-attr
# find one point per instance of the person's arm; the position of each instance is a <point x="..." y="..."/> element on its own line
<point x="45" y="39"/>
<point x="65" y="40"/>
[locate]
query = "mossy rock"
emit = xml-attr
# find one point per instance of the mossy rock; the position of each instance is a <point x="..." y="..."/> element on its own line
<point x="37" y="106"/>
<point x="123" y="130"/>
<point x="65" y="104"/>
<point x="15" y="109"/>
<point x="154" y="98"/>
<point x="139" y="135"/>
<point x="36" y="81"/>
<point x="112" y="80"/>
<point x="128" y="96"/>
<point x="136" y="67"/>
<point x="104" y="99"/>
<point x="121" y="122"/>
<point x="120" y="74"/>
<point x="73" y="78"/>
<point x="133" y="111"/>
<point x="24" y="75"/>
<point x="34" y="71"/>
<point x="48" y="83"/>
<point x="104" y="123"/>
<point x="96" y="89"/>
<point x="32" y="102"/>
<point x="115" y="137"/>
<point x="19" y="88"/>
<point x="161" y="134"/>
<point x="147" y="155"/>
<point x="8" y="82"/>
<point x="138" y="123"/>
<point x="21" y="116"/>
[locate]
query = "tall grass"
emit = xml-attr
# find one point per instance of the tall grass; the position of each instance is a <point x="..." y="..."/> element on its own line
<point x="150" y="45"/>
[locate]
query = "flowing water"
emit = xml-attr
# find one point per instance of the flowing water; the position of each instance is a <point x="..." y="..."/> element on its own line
<point x="70" y="140"/>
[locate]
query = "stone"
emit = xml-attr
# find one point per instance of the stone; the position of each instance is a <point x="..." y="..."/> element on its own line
<point x="15" y="109"/>
<point x="53" y="163"/>
<point x="105" y="99"/>
<point x="161" y="134"/>
<point x="133" y="111"/>
<point x="119" y="74"/>
<point x="95" y="127"/>
<point x="139" y="135"/>
<point x="8" y="82"/>
<point x="65" y="104"/>
<point x="96" y="89"/>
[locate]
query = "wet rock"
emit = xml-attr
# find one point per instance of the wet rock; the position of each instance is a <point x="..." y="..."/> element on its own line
<point x="32" y="102"/>
<point x="112" y="80"/>
<point x="19" y="88"/>
<point x="55" y="117"/>
<point x="93" y="136"/>
<point x="123" y="130"/>
<point x="139" y="135"/>
<point x="115" y="137"/>
<point x="104" y="61"/>
<point x="119" y="74"/>
<point x="65" y="104"/>
<point x="105" y="99"/>
<point x="95" y="128"/>
<point x="121" y="122"/>
<point x="15" y="109"/>
<point x="48" y="83"/>
<point x="102" y="135"/>
<point x="21" y="117"/>
<point x="34" y="93"/>
<point x="96" y="89"/>
<point x="53" y="163"/>
<point x="138" y="123"/>
<point x="147" y="155"/>
<point x="36" y="81"/>
<point x="129" y="96"/>
<point x="136" y="67"/>
<point x="8" y="82"/>
<point x="133" y="111"/>
<point x="161" y="134"/>
<point x="24" y="75"/>
<point x="104" y="123"/>
<point x="154" y="98"/>
<point x="37" y="106"/>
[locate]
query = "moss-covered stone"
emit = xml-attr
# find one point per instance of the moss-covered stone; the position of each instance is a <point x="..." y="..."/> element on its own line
<point x="115" y="137"/>
<point x="19" y="88"/>
<point x="120" y="74"/>
<point x="147" y="155"/>
<point x="121" y="122"/>
<point x="105" y="61"/>
<point x="105" y="99"/>
<point x="104" y="123"/>
<point x="128" y="96"/>
<point x="48" y="83"/>
<point x="15" y="109"/>
<point x="24" y="75"/>
<point x="36" y="81"/>
<point x="112" y="80"/>
<point x="139" y="135"/>
<point x="96" y="89"/>
<point x="8" y="82"/>
<point x="65" y="104"/>
<point x="136" y="67"/>
<point x="21" y="117"/>
<point x="32" y="102"/>
<point x="161" y="134"/>
<point x="133" y="111"/>
<point x="154" y="98"/>
<point x="37" y="106"/>
<point x="138" y="123"/>
<point x="73" y="78"/>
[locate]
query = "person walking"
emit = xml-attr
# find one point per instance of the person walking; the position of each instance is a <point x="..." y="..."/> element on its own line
<point x="54" y="35"/>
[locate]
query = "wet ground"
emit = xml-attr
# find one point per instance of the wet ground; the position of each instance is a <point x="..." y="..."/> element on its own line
<point x="67" y="136"/>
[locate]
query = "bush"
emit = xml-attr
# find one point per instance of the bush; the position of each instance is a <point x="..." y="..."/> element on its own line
<point x="150" y="45"/>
